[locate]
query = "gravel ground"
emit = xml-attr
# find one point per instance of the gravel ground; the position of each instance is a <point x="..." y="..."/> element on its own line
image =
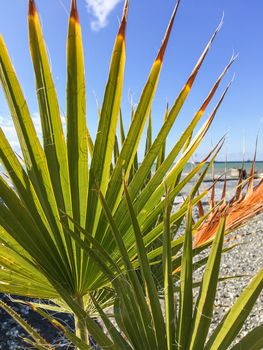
<point x="246" y="259"/>
<point x="11" y="333"/>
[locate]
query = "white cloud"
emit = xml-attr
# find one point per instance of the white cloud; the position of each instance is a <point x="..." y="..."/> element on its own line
<point x="6" y="123"/>
<point x="9" y="130"/>
<point x="100" y="9"/>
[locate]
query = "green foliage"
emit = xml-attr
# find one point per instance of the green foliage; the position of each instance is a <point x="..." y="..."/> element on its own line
<point x="56" y="185"/>
<point x="92" y="236"/>
<point x="147" y="319"/>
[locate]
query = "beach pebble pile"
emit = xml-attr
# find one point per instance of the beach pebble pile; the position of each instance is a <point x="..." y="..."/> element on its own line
<point x="245" y="259"/>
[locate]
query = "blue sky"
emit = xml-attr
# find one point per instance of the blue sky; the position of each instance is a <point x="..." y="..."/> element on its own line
<point x="242" y="109"/>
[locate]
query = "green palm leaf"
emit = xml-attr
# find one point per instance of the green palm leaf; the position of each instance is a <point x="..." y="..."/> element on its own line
<point x="186" y="285"/>
<point x="104" y="144"/>
<point x="204" y="305"/>
<point x="30" y="330"/>
<point x="170" y="311"/>
<point x="70" y="231"/>
<point x="253" y="340"/>
<point x="233" y="321"/>
<point x="131" y="142"/>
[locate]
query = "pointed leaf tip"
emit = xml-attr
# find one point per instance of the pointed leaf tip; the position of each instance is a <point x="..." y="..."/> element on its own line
<point x="124" y="19"/>
<point x="252" y="171"/>
<point x="32" y="8"/>
<point x="74" y="11"/>
<point x="220" y="25"/>
<point x="201" y="59"/>
<point x="167" y="34"/>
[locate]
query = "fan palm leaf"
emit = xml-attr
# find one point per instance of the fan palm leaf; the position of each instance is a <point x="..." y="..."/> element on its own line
<point x="61" y="204"/>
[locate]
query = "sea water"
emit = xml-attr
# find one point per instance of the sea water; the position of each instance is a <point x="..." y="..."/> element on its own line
<point x="219" y="170"/>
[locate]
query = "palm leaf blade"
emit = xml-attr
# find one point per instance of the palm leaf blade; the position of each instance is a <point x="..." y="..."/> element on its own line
<point x="233" y="321"/>
<point x="104" y="144"/>
<point x="204" y="305"/>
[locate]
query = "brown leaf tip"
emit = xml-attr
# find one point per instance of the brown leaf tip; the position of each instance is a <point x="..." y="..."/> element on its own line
<point x="32" y="10"/>
<point x="74" y="11"/>
<point x="124" y="19"/>
<point x="167" y="34"/>
<point x="191" y="80"/>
